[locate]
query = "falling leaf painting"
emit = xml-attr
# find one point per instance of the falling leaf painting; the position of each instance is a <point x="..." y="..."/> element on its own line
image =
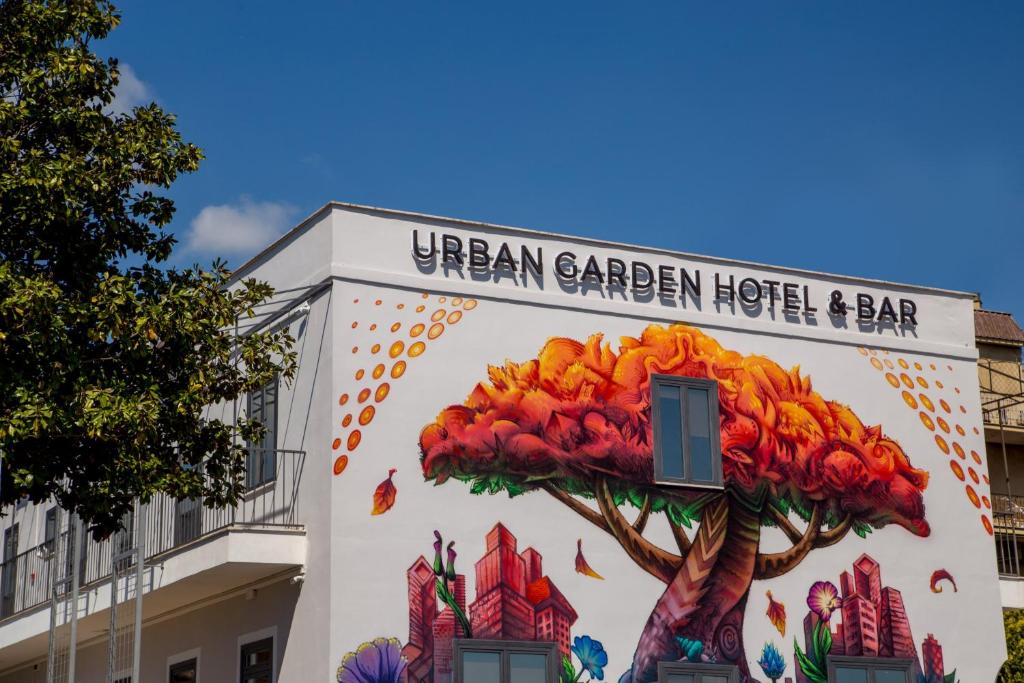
<point x="384" y="496"/>
<point x="939" y="575"/>
<point x="776" y="614"/>
<point x="581" y="562"/>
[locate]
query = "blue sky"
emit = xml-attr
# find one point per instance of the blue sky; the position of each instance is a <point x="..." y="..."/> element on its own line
<point x="876" y="139"/>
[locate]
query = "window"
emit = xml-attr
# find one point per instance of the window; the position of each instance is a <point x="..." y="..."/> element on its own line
<point x="686" y="446"/>
<point x="50" y="530"/>
<point x="183" y="672"/>
<point x="261" y="463"/>
<point x="869" y="670"/>
<point x="685" y="672"/>
<point x="258" y="661"/>
<point x="505" y="661"/>
<point x="9" y="578"/>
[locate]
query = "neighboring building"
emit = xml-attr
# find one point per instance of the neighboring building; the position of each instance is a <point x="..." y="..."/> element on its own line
<point x="1001" y="377"/>
<point x="669" y="437"/>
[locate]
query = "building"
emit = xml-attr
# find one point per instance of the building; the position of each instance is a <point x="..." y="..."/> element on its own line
<point x="670" y="435"/>
<point x="1001" y="377"/>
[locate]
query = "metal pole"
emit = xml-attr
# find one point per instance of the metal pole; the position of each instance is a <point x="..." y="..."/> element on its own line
<point x="140" y="554"/>
<point x="1009" y="492"/>
<point x="52" y="580"/>
<point x="73" y="645"/>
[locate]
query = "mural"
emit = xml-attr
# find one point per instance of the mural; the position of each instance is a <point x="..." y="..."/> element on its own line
<point x="575" y="423"/>
<point x="873" y="622"/>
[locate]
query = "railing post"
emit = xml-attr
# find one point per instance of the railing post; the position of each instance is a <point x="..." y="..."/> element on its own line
<point x="1009" y="493"/>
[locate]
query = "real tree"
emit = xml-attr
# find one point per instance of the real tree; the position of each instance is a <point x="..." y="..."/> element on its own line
<point x="107" y="357"/>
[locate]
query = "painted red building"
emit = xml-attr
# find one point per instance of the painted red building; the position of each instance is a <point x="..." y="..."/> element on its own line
<point x="514" y="601"/>
<point x="931" y="653"/>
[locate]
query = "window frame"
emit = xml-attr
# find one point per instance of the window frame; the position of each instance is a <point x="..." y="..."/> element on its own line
<point x="709" y="385"/>
<point x="698" y="670"/>
<point x="265" y="455"/>
<point x="256" y="644"/>
<point x="505" y="648"/>
<point x="183" y="664"/>
<point x="870" y="664"/>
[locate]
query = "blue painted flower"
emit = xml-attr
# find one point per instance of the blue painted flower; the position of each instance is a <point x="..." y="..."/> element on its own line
<point x="772" y="663"/>
<point x="692" y="650"/>
<point x="378" y="661"/>
<point x="591" y="654"/>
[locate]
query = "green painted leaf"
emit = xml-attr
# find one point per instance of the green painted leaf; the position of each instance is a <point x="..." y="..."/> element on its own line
<point x="810" y="669"/>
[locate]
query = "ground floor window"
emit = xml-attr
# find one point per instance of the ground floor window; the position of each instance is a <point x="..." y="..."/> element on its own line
<point x="258" y="661"/>
<point x="183" y="672"/>
<point x="505" y="661"/>
<point x="686" y="672"/>
<point x="869" y="670"/>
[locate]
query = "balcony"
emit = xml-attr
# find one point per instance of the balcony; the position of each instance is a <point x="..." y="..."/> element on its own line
<point x="191" y="552"/>
<point x="1008" y="515"/>
<point x="1002" y="393"/>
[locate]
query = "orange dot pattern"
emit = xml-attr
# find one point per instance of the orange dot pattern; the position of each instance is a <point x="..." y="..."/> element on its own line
<point x="942" y="421"/>
<point x="401" y="347"/>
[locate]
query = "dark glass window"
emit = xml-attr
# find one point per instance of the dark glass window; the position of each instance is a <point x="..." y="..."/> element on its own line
<point x="50" y="530"/>
<point x="261" y="462"/>
<point x="505" y="661"/>
<point x="685" y="672"/>
<point x="869" y="670"/>
<point x="258" y="661"/>
<point x="183" y="672"/>
<point x="686" y="443"/>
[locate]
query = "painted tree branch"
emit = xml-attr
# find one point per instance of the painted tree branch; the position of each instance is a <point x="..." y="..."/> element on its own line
<point x="681" y="539"/>
<point x="834" y="535"/>
<point x="640" y="523"/>
<point x="770" y="565"/>
<point x="649" y="557"/>
<point x="578" y="506"/>
<point x="782" y="520"/>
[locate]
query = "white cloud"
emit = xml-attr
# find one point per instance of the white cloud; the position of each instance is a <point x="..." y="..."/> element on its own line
<point x="131" y="91"/>
<point x="238" y="229"/>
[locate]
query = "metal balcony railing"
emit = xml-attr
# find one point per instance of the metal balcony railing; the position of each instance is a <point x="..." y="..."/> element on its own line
<point x="1008" y="515"/>
<point x="1002" y="392"/>
<point x="272" y="500"/>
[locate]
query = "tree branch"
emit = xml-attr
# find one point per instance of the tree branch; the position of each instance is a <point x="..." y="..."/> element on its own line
<point x="836" y="534"/>
<point x="649" y="557"/>
<point x="770" y="565"/>
<point x="780" y="518"/>
<point x="640" y="523"/>
<point x="681" y="539"/>
<point x="578" y="506"/>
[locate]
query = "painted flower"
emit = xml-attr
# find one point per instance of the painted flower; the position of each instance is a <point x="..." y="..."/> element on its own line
<point x="438" y="543"/>
<point x="772" y="663"/>
<point x="823" y="599"/>
<point x="692" y="650"/>
<point x="450" y="568"/>
<point x="378" y="661"/>
<point x="591" y="654"/>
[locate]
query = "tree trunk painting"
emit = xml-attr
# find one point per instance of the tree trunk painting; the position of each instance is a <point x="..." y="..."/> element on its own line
<point x="575" y="423"/>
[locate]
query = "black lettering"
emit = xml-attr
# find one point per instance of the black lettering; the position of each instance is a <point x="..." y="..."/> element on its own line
<point x="790" y="299"/>
<point x="479" y="256"/>
<point x="666" y="281"/>
<point x="908" y="311"/>
<point x="504" y="259"/>
<point x="886" y="312"/>
<point x="865" y="307"/>
<point x="592" y="270"/>
<point x="564" y="274"/>
<point x="727" y="292"/>
<point x="807" y="301"/>
<point x="647" y="283"/>
<point x="451" y="249"/>
<point x="772" y="289"/>
<point x="757" y="290"/>
<point x="531" y="263"/>
<point x="422" y="254"/>
<point x="617" y="272"/>
<point x="690" y="285"/>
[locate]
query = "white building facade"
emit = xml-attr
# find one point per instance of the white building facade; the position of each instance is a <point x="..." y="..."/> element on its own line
<point x="518" y="457"/>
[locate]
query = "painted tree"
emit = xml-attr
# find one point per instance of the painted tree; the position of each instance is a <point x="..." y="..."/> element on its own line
<point x="576" y="423"/>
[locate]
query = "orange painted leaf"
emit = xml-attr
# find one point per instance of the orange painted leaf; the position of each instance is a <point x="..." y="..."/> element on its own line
<point x="940" y="575"/>
<point x="776" y="614"/>
<point x="384" y="496"/>
<point x="581" y="563"/>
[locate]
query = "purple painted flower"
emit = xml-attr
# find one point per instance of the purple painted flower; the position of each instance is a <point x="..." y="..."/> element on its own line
<point x="450" y="569"/>
<point x="823" y="599"/>
<point x="438" y="567"/>
<point x="378" y="661"/>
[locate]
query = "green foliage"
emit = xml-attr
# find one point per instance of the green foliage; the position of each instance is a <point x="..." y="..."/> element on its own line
<point x="107" y="359"/>
<point x="1013" y="668"/>
<point x="814" y="663"/>
<point x="568" y="672"/>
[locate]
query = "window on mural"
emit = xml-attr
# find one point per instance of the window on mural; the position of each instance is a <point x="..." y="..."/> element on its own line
<point x="261" y="463"/>
<point x="677" y="672"/>
<point x="686" y="446"/>
<point x="869" y="670"/>
<point x="505" y="661"/>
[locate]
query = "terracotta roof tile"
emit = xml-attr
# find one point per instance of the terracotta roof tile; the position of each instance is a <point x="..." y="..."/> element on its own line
<point x="997" y="326"/>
